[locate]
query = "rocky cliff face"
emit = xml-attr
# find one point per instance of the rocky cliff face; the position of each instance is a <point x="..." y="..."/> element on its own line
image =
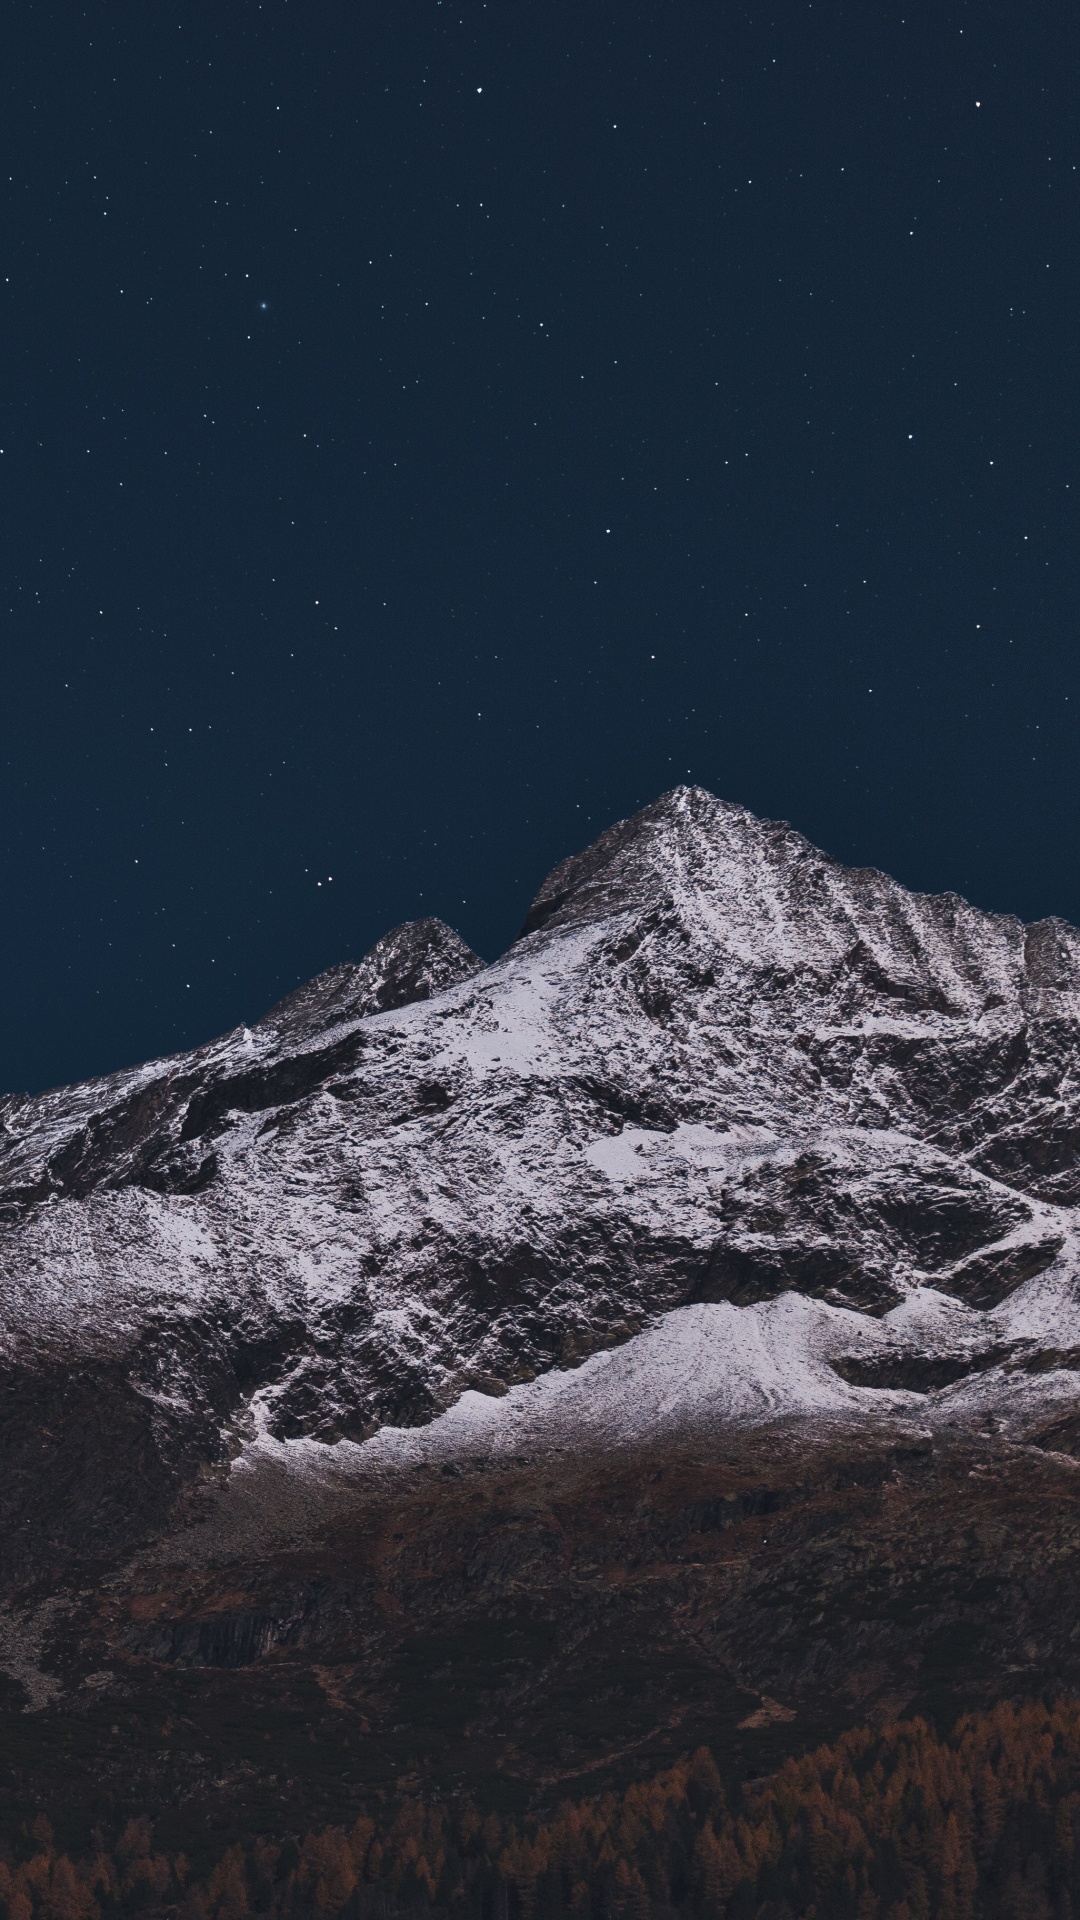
<point x="733" y="1141"/>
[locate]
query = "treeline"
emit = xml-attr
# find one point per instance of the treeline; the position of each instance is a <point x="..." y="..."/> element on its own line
<point x="893" y="1824"/>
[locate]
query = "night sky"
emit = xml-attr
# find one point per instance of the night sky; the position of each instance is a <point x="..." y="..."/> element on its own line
<point x="430" y="431"/>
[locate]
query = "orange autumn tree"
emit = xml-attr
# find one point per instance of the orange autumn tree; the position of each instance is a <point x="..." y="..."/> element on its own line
<point x="900" y="1823"/>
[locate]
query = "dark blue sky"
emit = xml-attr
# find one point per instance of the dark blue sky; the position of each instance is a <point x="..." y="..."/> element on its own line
<point x="430" y="431"/>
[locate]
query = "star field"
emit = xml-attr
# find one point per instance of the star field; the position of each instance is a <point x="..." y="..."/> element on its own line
<point x="430" y="432"/>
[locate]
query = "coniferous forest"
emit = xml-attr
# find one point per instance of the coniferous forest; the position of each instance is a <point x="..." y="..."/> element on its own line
<point x="894" y="1823"/>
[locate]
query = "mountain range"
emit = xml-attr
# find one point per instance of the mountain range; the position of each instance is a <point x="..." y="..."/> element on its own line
<point x="522" y="1372"/>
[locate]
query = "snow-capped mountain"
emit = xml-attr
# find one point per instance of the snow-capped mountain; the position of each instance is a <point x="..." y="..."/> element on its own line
<point x="830" y="1126"/>
<point x="666" y="1333"/>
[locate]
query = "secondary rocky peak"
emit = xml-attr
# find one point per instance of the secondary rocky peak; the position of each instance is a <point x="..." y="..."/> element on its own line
<point x="411" y="962"/>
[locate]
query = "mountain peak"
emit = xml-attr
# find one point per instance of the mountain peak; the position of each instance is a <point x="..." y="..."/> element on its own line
<point x="756" y="894"/>
<point x="634" y="857"/>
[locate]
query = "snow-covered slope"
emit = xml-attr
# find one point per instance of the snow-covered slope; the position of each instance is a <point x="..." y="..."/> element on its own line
<point x="830" y="1128"/>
